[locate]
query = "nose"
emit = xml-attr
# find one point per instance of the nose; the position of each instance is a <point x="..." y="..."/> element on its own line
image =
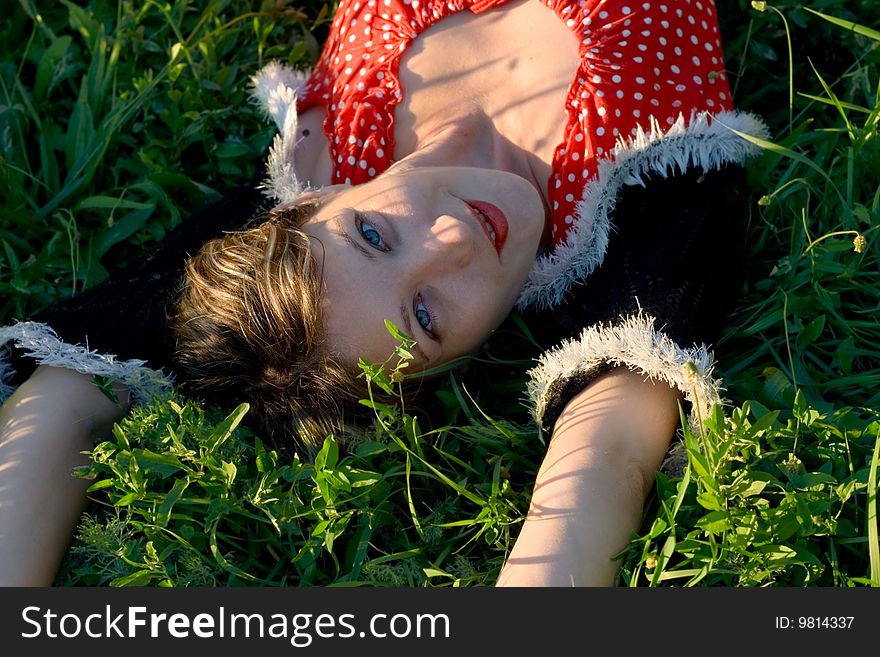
<point x="449" y="244"/>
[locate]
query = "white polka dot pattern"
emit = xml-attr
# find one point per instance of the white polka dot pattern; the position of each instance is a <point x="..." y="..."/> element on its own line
<point x="639" y="59"/>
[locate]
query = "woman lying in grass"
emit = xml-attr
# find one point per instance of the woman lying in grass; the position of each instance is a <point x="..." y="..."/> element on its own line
<point x="442" y="165"/>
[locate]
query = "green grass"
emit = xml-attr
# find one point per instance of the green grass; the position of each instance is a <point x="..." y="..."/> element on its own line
<point x="119" y="119"/>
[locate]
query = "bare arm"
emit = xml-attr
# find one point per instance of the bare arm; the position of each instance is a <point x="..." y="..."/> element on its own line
<point x="591" y="487"/>
<point x="44" y="427"/>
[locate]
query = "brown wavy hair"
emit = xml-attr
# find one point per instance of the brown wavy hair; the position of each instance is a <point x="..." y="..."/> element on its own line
<point x="249" y="328"/>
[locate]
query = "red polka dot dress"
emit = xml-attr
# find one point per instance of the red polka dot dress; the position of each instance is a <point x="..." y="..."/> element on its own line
<point x="643" y="64"/>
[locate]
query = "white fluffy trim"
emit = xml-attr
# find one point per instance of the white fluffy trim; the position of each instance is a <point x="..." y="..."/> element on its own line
<point x="704" y="141"/>
<point x="40" y="342"/>
<point x="275" y="89"/>
<point x="635" y="343"/>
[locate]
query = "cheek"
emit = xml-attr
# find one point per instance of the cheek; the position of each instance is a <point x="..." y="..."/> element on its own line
<point x="488" y="309"/>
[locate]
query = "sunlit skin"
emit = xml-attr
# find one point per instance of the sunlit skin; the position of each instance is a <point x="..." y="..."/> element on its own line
<point x="408" y="247"/>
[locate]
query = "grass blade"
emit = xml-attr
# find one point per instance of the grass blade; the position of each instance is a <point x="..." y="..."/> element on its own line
<point x="873" y="542"/>
<point x="849" y="25"/>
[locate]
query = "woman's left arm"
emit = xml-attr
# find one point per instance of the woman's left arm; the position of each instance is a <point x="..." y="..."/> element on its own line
<point x="588" y="499"/>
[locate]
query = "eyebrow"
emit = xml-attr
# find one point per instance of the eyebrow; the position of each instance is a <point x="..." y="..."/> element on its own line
<point x="364" y="251"/>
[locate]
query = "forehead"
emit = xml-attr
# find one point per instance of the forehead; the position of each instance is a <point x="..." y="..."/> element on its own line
<point x="396" y="192"/>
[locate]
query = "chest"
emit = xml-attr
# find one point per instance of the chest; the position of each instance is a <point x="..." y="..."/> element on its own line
<point x="395" y="71"/>
<point x="514" y="63"/>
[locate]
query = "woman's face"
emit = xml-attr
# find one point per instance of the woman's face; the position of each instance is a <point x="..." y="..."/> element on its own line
<point x="441" y="252"/>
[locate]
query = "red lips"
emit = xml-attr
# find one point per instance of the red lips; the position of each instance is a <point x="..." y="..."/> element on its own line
<point x="493" y="221"/>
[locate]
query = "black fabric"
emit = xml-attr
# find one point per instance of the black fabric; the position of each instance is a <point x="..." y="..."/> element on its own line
<point x="126" y="314"/>
<point x="677" y="251"/>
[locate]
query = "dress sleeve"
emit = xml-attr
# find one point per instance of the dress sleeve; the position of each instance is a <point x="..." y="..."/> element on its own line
<point x="119" y="328"/>
<point x="673" y="267"/>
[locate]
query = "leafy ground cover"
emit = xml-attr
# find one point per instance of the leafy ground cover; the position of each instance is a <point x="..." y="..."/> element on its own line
<point x="117" y="119"/>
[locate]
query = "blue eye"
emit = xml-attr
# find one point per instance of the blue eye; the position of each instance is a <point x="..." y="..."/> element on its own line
<point x="423" y="317"/>
<point x="372" y="236"/>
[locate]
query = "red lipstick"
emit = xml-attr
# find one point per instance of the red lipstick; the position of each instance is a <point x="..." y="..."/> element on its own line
<point x="493" y="222"/>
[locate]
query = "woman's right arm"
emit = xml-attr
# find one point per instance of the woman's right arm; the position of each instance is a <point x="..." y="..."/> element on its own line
<point x="45" y="427"/>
